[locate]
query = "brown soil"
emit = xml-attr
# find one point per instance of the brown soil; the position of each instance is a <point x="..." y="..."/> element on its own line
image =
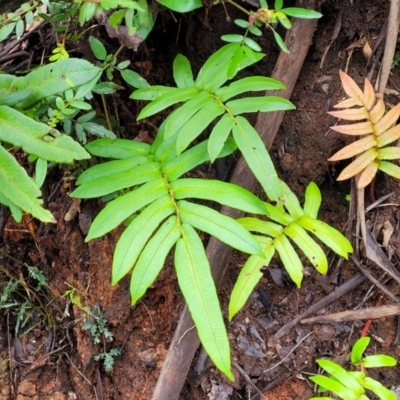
<point x="55" y="359"/>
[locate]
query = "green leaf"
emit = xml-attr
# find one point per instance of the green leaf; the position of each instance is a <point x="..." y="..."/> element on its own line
<point x="197" y="124"/>
<point x="378" y="360"/>
<point x="179" y="165"/>
<point x="265" y="227"/>
<point x="14" y="98"/>
<point x="134" y="79"/>
<point x="328" y="235"/>
<point x="198" y="288"/>
<point x="308" y="246"/>
<point x="6" y="30"/>
<point x="181" y="6"/>
<point x="98" y="48"/>
<point x="358" y="350"/>
<point x="112" y="167"/>
<point x="151" y="93"/>
<point x="249" y="84"/>
<point x="117" y="148"/>
<point x="167" y="99"/>
<point x="81" y="105"/>
<point x="390" y="169"/>
<point x="278" y="4"/>
<point x="153" y="257"/>
<point x="34" y="138"/>
<point x="291" y="202"/>
<point x="248" y="278"/>
<point x="118" y="210"/>
<point x="222" y="227"/>
<point x="341" y="375"/>
<point x="334" y="386"/>
<point x="301" y="13"/>
<point x="278" y="215"/>
<point x="312" y="200"/>
<point x="185" y="112"/>
<point x="55" y="78"/>
<point x="113" y="182"/>
<point x="257" y="157"/>
<point x="380" y="390"/>
<point x="19" y="188"/>
<point x="232" y="38"/>
<point x="98" y="130"/>
<point x="16" y="212"/>
<point x="222" y="192"/>
<point x="285" y="21"/>
<point x="252" y="44"/>
<point x="40" y="171"/>
<point x="290" y="259"/>
<point x="280" y="42"/>
<point x="182" y="70"/>
<point x="136" y="235"/>
<point x="256" y="104"/>
<point x="219" y="135"/>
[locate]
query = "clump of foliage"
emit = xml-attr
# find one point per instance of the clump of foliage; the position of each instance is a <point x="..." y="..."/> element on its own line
<point x="353" y="385"/>
<point x="378" y="129"/>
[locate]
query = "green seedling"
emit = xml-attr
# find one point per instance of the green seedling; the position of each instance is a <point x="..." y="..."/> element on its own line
<point x="353" y="385"/>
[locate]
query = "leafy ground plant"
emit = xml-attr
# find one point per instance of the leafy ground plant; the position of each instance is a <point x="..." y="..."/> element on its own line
<point x="378" y="131"/>
<point x="161" y="206"/>
<point x="352" y="385"/>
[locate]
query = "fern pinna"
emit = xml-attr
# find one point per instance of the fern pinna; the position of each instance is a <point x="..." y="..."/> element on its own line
<point x="162" y="206"/>
<point x="378" y="130"/>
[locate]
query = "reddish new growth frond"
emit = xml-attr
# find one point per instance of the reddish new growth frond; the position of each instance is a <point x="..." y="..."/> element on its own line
<point x="377" y="127"/>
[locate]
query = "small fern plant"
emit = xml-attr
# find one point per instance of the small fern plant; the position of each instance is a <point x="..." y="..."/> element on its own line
<point x="378" y="130"/>
<point x="164" y="210"/>
<point x="23" y="100"/>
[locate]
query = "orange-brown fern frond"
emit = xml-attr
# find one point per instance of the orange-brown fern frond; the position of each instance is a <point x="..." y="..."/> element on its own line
<point x="377" y="127"/>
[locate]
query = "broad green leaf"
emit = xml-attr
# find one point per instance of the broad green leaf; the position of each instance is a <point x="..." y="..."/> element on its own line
<point x="334" y="386"/>
<point x="328" y="235"/>
<point x="137" y="175"/>
<point x="5" y="86"/>
<point x="181" y="6"/>
<point x="6" y="30"/>
<point x="118" y="210"/>
<point x="248" y="278"/>
<point x="185" y="112"/>
<point x="136" y="235"/>
<point x="167" y="99"/>
<point x="278" y="215"/>
<point x="237" y="61"/>
<point x="153" y="257"/>
<point x="381" y="391"/>
<point x="301" y="13"/>
<point x="290" y="259"/>
<point x="193" y="157"/>
<point x="224" y="193"/>
<point x="265" y="227"/>
<point x="117" y="148"/>
<point x="222" y="227"/>
<point x="34" y="138"/>
<point x="105" y="169"/>
<point x="151" y="93"/>
<point x="341" y="375"/>
<point x="16" y="212"/>
<point x="219" y="135"/>
<point x="308" y="246"/>
<point x="256" y="104"/>
<point x="198" y="288"/>
<point x="166" y="150"/>
<point x="258" y="158"/>
<point x="358" y="349"/>
<point x="389" y="153"/>
<point x="19" y="188"/>
<point x="312" y="200"/>
<point x="134" y="79"/>
<point x="214" y="72"/>
<point x="14" y="98"/>
<point x="197" y="124"/>
<point x="249" y="84"/>
<point x="378" y="360"/>
<point x="291" y="202"/>
<point x="98" y="48"/>
<point x="55" y="78"/>
<point x="182" y="70"/>
<point x="390" y="169"/>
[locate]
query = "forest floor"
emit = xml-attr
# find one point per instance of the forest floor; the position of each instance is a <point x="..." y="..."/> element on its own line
<point x="54" y="358"/>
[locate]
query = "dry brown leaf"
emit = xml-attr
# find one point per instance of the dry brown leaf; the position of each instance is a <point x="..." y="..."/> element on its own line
<point x="354" y="149"/>
<point x="387" y="120"/>
<point x="389" y="136"/>
<point x="362" y="128"/>
<point x="377" y="112"/>
<point x="358" y="165"/>
<point x="350" y="87"/>
<point x="369" y="95"/>
<point x="367" y="175"/>
<point x="351" y="114"/>
<point x="349" y="103"/>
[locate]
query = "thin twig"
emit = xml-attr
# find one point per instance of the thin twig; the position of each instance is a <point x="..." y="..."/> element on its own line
<point x="248" y="380"/>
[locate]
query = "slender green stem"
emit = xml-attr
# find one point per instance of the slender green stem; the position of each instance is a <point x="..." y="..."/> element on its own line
<point x="238" y="6"/>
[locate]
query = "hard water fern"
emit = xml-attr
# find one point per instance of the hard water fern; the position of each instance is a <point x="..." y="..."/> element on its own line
<point x="164" y="210"/>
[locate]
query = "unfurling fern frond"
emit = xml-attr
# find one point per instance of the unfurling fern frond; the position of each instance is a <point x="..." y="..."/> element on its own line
<point x="377" y="128"/>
